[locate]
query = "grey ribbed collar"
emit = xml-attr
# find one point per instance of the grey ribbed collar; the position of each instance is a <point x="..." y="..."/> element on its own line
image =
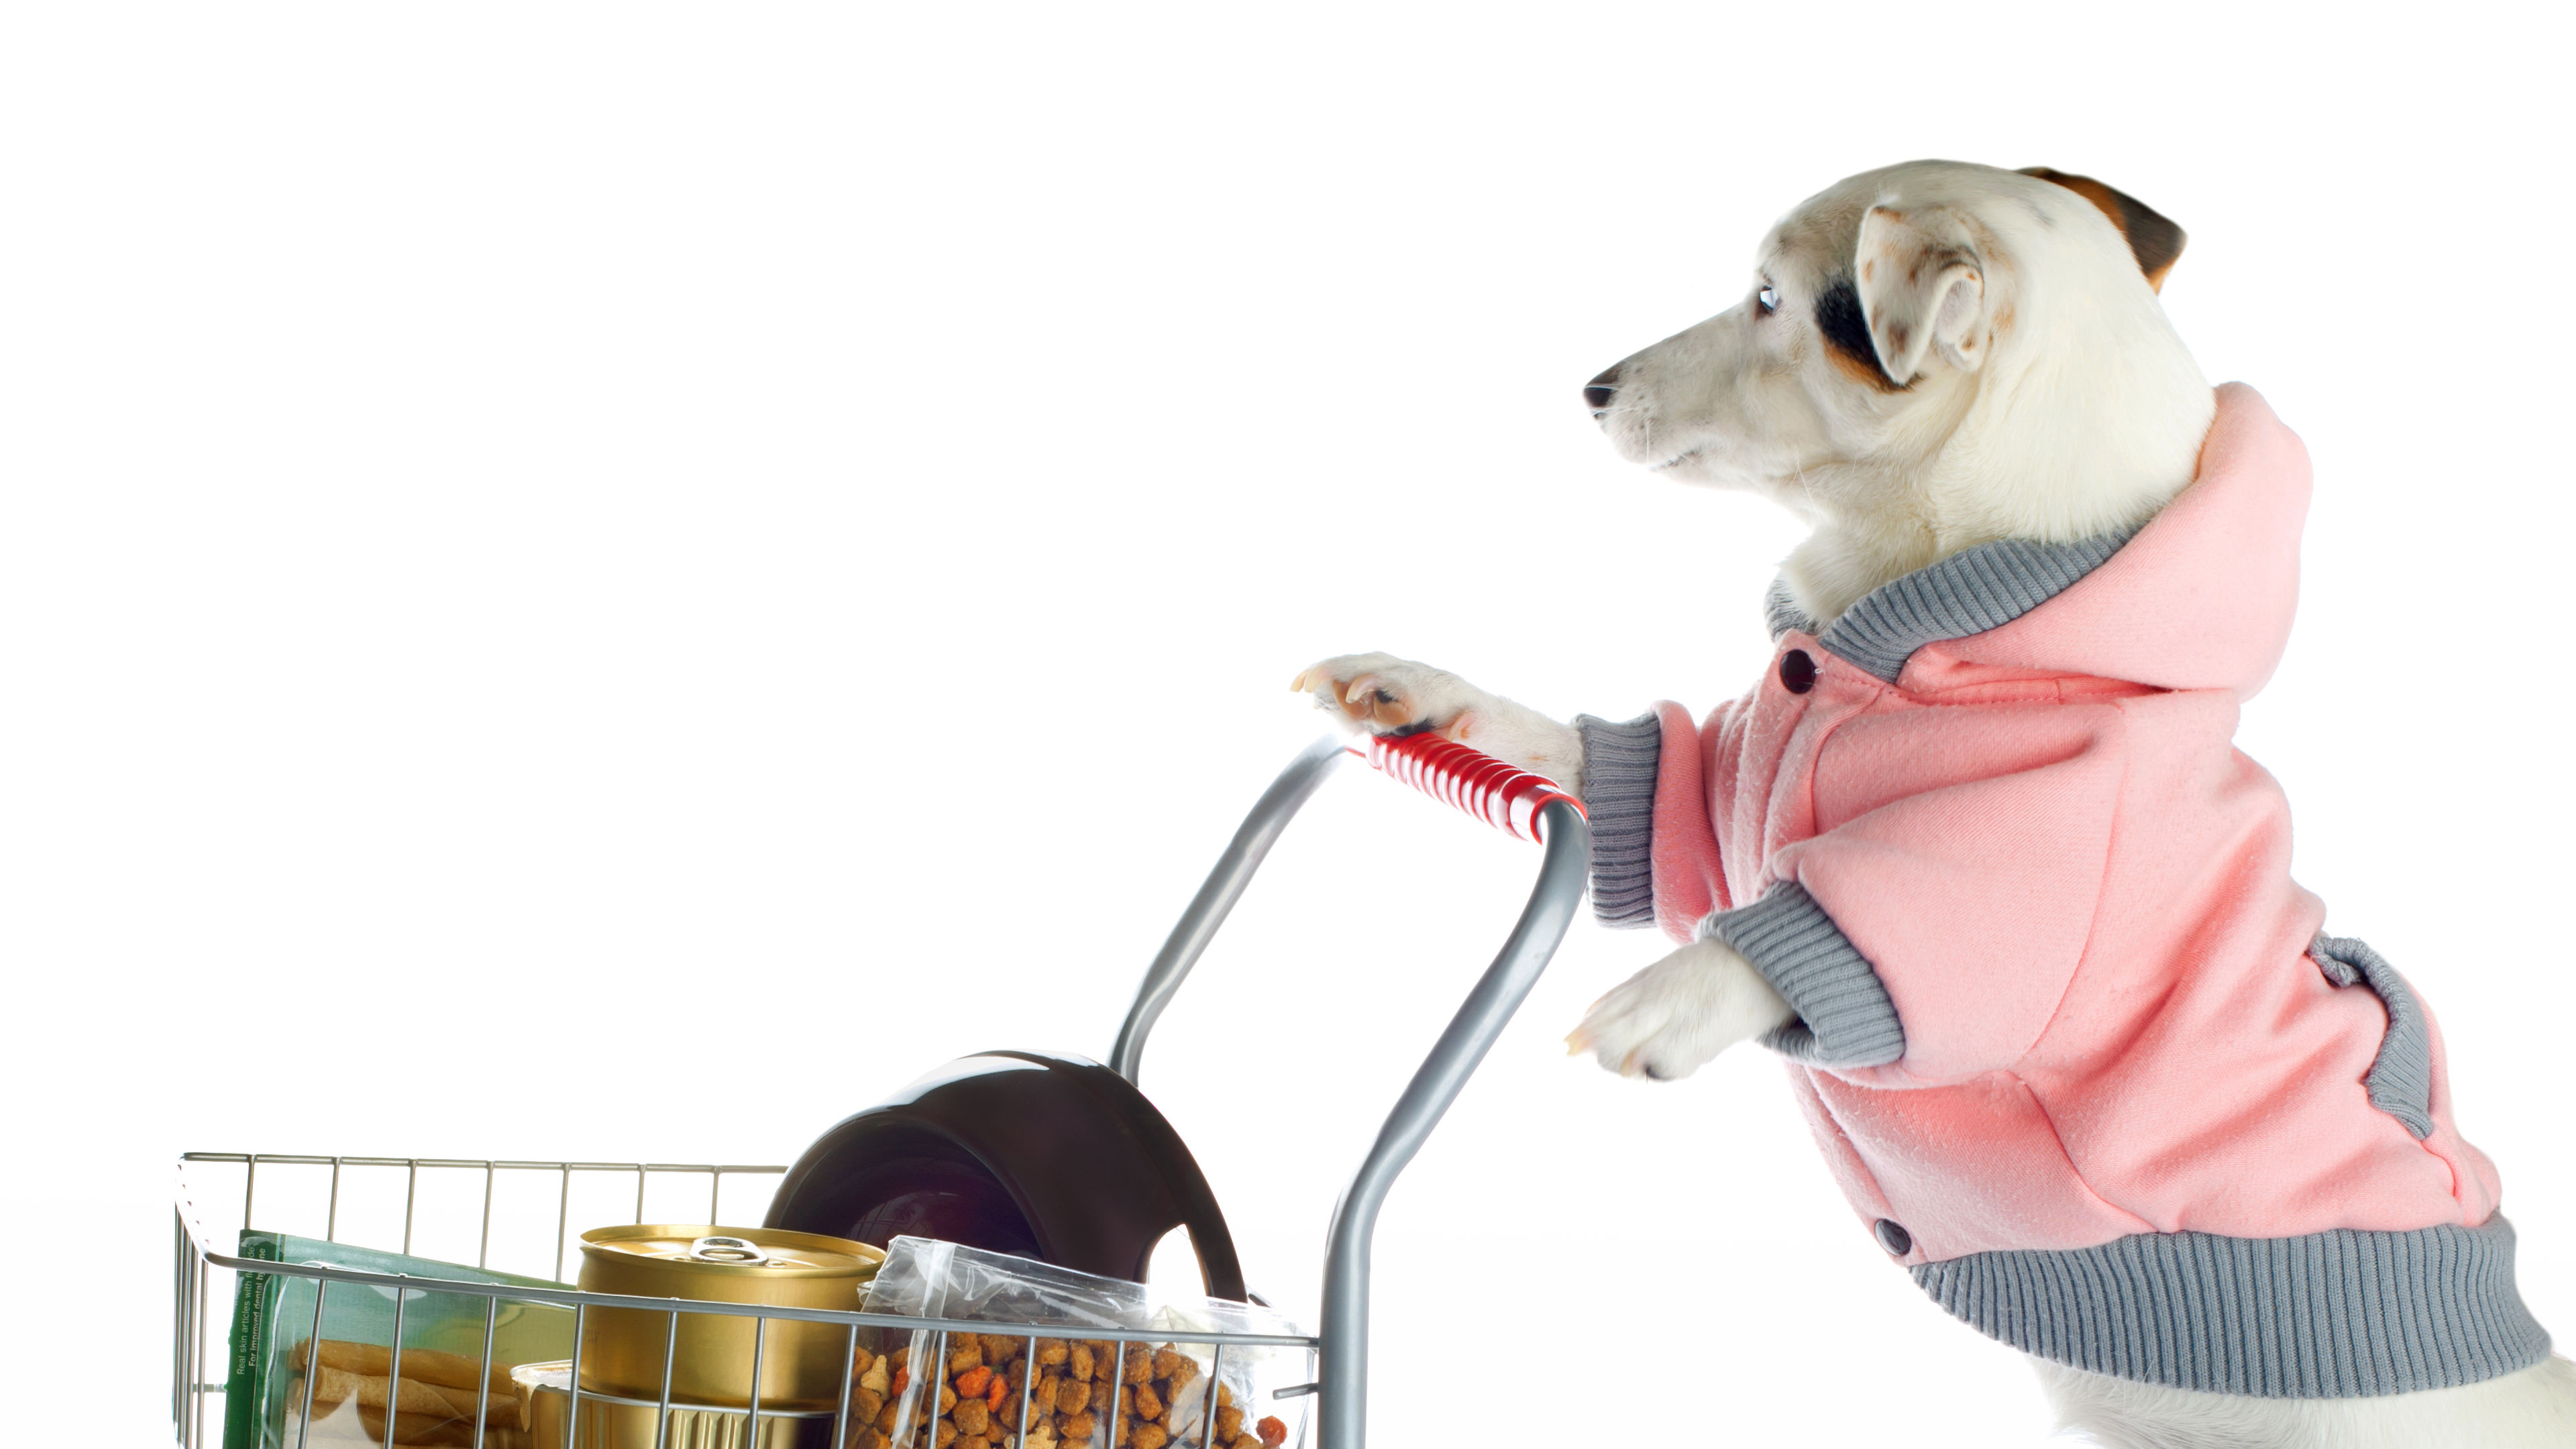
<point x="1971" y="591"/>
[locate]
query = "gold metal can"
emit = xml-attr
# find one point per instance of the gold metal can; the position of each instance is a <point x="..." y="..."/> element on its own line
<point x="801" y="1364"/>
<point x="614" y="1421"/>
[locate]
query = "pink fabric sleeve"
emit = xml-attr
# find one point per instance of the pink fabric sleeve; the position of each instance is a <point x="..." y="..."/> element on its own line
<point x="1690" y="880"/>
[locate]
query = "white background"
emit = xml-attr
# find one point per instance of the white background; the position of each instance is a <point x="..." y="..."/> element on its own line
<point x="620" y="581"/>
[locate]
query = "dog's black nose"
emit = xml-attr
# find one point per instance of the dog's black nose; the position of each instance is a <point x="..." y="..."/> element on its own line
<point x="1598" y="392"/>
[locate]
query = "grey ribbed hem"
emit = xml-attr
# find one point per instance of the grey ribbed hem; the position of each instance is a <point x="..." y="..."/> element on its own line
<point x="1969" y="592"/>
<point x="1619" y="763"/>
<point x="2400" y="1080"/>
<point x="2338" y="1314"/>
<point x="1844" y="1016"/>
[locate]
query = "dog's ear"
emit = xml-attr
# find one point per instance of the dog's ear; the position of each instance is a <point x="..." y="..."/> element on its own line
<point x="2155" y="241"/>
<point x="1922" y="288"/>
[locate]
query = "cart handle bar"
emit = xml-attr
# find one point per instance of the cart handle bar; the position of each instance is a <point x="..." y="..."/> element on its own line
<point x="1509" y="799"/>
<point x="1513" y="800"/>
<point x="1505" y="797"/>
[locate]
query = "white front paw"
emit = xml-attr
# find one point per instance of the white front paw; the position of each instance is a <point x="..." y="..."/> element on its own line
<point x="1381" y="694"/>
<point x="1672" y="1018"/>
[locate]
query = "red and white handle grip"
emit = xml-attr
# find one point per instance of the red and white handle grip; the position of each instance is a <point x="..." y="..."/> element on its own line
<point x="1507" y="798"/>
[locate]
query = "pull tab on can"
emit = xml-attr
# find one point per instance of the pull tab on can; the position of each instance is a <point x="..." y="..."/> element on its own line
<point x="727" y="1250"/>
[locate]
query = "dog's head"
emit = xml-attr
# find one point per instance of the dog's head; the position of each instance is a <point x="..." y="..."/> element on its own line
<point x="1930" y="356"/>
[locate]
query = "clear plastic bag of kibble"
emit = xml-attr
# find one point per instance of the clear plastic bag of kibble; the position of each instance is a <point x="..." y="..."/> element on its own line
<point x="1080" y="1392"/>
<point x="1244" y="1399"/>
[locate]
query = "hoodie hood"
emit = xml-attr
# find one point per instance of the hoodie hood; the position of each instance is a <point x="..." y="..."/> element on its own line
<point x="2201" y="597"/>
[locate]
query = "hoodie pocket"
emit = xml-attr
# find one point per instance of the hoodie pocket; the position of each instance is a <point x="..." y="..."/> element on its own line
<point x="2400" y="1080"/>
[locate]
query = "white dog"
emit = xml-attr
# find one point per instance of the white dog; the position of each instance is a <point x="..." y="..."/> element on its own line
<point x="1952" y="367"/>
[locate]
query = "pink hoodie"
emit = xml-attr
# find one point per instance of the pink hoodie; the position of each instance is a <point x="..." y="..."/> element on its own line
<point x="2069" y="1036"/>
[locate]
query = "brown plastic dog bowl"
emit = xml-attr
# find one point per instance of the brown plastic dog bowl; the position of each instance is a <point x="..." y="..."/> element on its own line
<point x="1051" y="1157"/>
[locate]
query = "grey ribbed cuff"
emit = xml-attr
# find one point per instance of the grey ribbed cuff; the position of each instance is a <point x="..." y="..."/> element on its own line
<point x="1845" y="1018"/>
<point x="1619" y="762"/>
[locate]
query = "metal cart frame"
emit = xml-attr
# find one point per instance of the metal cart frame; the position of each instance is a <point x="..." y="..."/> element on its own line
<point x="1522" y="804"/>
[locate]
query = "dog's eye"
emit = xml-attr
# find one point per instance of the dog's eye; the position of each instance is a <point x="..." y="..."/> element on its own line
<point x="1768" y="299"/>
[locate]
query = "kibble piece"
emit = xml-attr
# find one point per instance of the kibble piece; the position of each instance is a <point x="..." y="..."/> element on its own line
<point x="1137" y="1367"/>
<point x="1079" y="1428"/>
<point x="887" y="1415"/>
<point x="1052" y="1351"/>
<point x="1149" y="1405"/>
<point x="947" y="1398"/>
<point x="1072" y="1398"/>
<point x="975" y="1382"/>
<point x="1273" y="1432"/>
<point x="1081" y="1365"/>
<point x="1152" y="1436"/>
<point x="965" y="1354"/>
<point x="973" y="1416"/>
<point x="866" y="1404"/>
<point x="944" y="1436"/>
<point x="1166" y="1359"/>
<point x="1229" y="1420"/>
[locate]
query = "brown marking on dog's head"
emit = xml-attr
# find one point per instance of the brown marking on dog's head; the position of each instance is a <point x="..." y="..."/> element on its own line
<point x="2154" y="240"/>
<point x="1864" y="371"/>
<point x="1846" y="332"/>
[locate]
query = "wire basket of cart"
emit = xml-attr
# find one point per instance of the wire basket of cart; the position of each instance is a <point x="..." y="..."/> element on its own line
<point x="826" y="1376"/>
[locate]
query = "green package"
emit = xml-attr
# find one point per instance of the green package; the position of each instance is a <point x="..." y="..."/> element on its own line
<point x="273" y="1313"/>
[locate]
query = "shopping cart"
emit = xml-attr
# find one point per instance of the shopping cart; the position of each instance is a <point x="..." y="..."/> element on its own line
<point x="1512" y="800"/>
